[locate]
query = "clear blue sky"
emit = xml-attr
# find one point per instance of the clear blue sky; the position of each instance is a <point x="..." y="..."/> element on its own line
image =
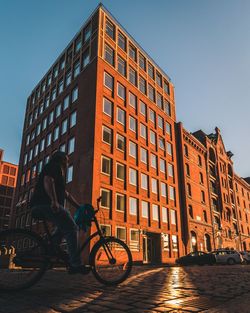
<point x="204" y="46"/>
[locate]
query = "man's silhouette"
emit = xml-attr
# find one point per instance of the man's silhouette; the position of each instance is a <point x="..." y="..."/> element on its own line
<point x="48" y="201"/>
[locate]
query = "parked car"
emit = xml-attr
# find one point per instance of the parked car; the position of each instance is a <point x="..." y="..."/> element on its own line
<point x="246" y="256"/>
<point x="198" y="257"/>
<point x="231" y="257"/>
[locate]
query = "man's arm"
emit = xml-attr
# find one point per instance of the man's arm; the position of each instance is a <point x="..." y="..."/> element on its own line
<point x="71" y="199"/>
<point x="49" y="186"/>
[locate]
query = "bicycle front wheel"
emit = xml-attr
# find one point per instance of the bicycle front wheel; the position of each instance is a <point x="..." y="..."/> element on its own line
<point x="23" y="259"/>
<point x="111" y="261"/>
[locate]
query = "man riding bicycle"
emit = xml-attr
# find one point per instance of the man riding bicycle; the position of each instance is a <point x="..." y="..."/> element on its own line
<point x="48" y="201"/>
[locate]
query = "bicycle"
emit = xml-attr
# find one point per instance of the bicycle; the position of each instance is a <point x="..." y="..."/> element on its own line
<point x="25" y="256"/>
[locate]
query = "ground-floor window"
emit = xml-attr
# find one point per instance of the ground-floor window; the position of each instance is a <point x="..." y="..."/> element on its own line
<point x="134" y="239"/>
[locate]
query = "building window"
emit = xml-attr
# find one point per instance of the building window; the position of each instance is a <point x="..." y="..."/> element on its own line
<point x="106" y="198"/>
<point x="143" y="108"/>
<point x="121" y="41"/>
<point x="151" y="93"/>
<point x="58" y="110"/>
<point x="152" y="137"/>
<point x="142" y="85"/>
<point x="68" y="79"/>
<point x="155" y="210"/>
<point x="71" y="145"/>
<point x="168" y="128"/>
<point x="108" y="81"/>
<point x="85" y="58"/>
<point x="133" y="149"/>
<point x="161" y="143"/>
<point x="53" y="94"/>
<point x="134" y="240"/>
<point x="164" y="211"/>
<point x="171" y="193"/>
<point x="87" y="33"/>
<point x="151" y="71"/>
<point x="187" y="169"/>
<point x="159" y="101"/>
<point x="107" y="107"/>
<point x="74" y="94"/>
<point x="121" y="65"/>
<point x="152" y="116"/>
<point x="186" y="150"/>
<point x="110" y="29"/>
<point x="121" y="116"/>
<point x="132" y="123"/>
<point x="133" y="176"/>
<point x="153" y="161"/>
<point x="144" y="155"/>
<point x="76" y="71"/>
<point x="132" y="76"/>
<point x="154" y="185"/>
<point x="163" y="190"/>
<point x="189" y="191"/>
<point x="106" y="135"/>
<point x="121" y="91"/>
<point x="120" y="171"/>
<point x="120" y="142"/>
<point x="163" y="166"/>
<point x="132" y="100"/>
<point x="106" y="165"/>
<point x="120" y="202"/>
<point x="201" y="178"/>
<point x="199" y="160"/>
<point x="144" y="206"/>
<point x="158" y="79"/>
<point x="69" y="176"/>
<point x="50" y="117"/>
<point x="132" y="206"/>
<point x="174" y="243"/>
<point x="66" y="103"/>
<point x="203" y="200"/>
<point x="173" y="217"/>
<point x="64" y="126"/>
<point x="109" y="54"/>
<point x="143" y="131"/>
<point x="78" y="44"/>
<point x="56" y="133"/>
<point x="48" y="143"/>
<point x="144" y="181"/>
<point x="169" y="149"/>
<point x="167" y="107"/>
<point x="160" y="122"/>
<point x="142" y="62"/>
<point x="42" y="144"/>
<point x="205" y="216"/>
<point x="166" y="86"/>
<point x="132" y="52"/>
<point x="106" y="229"/>
<point x="72" y="119"/>
<point x="121" y="233"/>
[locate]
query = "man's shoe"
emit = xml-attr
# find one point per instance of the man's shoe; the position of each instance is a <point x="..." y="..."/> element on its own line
<point x="81" y="269"/>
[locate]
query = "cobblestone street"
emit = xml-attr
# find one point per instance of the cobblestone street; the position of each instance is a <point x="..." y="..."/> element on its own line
<point x="148" y="289"/>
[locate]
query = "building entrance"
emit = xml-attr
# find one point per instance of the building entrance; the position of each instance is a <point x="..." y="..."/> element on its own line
<point x="152" y="248"/>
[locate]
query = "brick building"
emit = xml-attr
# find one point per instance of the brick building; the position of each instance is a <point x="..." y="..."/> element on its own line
<point x="214" y="200"/>
<point x="111" y="108"/>
<point x="8" y="178"/>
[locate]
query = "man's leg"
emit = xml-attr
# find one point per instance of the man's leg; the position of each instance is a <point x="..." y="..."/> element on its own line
<point x="67" y="227"/>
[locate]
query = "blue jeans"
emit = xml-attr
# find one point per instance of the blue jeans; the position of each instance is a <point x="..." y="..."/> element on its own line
<point x="65" y="227"/>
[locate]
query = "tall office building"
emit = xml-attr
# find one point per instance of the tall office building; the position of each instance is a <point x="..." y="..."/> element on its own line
<point x="107" y="104"/>
<point x="8" y="178"/>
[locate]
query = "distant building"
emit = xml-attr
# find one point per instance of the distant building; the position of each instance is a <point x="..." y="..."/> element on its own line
<point x="215" y="201"/>
<point x="8" y="178"/>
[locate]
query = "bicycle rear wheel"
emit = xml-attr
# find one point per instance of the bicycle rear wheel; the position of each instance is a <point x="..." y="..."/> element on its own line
<point x="111" y="261"/>
<point x="23" y="259"/>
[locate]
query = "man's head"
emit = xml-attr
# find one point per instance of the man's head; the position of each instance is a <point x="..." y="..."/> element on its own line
<point x="60" y="158"/>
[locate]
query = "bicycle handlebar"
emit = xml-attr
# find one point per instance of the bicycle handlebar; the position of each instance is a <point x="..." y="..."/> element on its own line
<point x="98" y="203"/>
